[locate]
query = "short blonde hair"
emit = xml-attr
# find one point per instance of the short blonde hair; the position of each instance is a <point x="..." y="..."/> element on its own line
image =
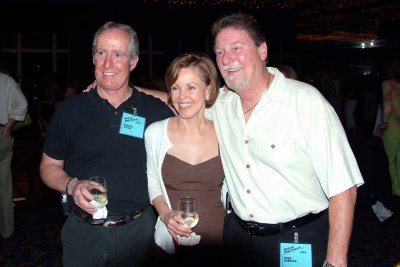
<point x="203" y="64"/>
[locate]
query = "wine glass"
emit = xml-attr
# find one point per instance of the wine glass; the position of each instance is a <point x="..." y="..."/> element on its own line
<point x="98" y="196"/>
<point x="188" y="210"/>
<point x="100" y="200"/>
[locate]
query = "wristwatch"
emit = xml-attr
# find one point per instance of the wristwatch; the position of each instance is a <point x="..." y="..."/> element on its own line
<point x="327" y="264"/>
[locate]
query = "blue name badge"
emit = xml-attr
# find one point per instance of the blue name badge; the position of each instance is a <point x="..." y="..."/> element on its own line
<point x="132" y="125"/>
<point x="295" y="255"/>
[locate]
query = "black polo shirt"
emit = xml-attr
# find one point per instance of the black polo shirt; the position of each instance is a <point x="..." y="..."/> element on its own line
<point x="84" y="132"/>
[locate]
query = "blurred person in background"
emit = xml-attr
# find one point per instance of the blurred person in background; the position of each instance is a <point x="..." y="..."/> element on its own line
<point x="391" y="121"/>
<point x="13" y="107"/>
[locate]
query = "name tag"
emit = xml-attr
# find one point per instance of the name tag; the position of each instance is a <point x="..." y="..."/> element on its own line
<point x="295" y="255"/>
<point x="132" y="125"/>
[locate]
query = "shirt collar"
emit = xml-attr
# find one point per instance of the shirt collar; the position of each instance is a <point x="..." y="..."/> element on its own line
<point x="277" y="90"/>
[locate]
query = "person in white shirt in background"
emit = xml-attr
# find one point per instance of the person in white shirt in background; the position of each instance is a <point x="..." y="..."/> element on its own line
<point x="13" y="107"/>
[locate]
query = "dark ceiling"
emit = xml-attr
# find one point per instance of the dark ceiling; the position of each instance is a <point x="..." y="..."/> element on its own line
<point x="323" y="20"/>
<point x="299" y="32"/>
<point x="312" y="20"/>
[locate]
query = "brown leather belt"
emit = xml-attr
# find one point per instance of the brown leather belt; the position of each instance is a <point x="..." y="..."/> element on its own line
<point x="111" y="221"/>
<point x="265" y="229"/>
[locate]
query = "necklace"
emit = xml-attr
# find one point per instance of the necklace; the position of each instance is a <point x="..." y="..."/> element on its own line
<point x="266" y="87"/>
<point x="247" y="111"/>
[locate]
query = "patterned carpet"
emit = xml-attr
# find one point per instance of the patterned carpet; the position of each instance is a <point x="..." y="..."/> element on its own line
<point x="374" y="244"/>
<point x="36" y="241"/>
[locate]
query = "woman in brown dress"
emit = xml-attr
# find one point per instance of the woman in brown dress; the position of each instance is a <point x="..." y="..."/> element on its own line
<point x="183" y="161"/>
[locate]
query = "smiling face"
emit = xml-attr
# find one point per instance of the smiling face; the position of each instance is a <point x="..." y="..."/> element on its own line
<point x="239" y="60"/>
<point x="189" y="93"/>
<point x="112" y="59"/>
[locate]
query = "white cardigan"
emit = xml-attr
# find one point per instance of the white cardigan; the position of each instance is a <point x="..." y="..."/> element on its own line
<point x="157" y="145"/>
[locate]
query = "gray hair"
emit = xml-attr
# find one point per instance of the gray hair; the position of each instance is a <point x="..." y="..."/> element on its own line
<point x="134" y="40"/>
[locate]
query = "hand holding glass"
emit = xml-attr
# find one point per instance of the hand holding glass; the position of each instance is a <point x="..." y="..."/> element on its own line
<point x="98" y="196"/>
<point x="188" y="210"/>
<point x="99" y="201"/>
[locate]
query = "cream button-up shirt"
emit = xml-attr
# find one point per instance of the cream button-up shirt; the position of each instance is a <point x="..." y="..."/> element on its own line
<point x="290" y="156"/>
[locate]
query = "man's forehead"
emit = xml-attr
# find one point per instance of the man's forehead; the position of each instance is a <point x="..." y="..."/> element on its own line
<point x="232" y="36"/>
<point x="113" y="34"/>
<point x="116" y="41"/>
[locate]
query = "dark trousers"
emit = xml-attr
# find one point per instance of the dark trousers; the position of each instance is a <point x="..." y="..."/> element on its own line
<point x="244" y="250"/>
<point x="374" y="166"/>
<point x="131" y="244"/>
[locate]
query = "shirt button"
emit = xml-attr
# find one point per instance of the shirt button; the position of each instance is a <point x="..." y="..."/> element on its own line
<point x="248" y="191"/>
<point x="251" y="215"/>
<point x="116" y="112"/>
<point x="246" y="141"/>
<point x="272" y="146"/>
<point x="248" y="166"/>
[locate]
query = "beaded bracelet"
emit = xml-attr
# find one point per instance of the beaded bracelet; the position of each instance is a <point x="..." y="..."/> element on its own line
<point x="70" y="179"/>
<point x="327" y="264"/>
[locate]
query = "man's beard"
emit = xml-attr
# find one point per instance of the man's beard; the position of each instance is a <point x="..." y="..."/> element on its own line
<point x="235" y="86"/>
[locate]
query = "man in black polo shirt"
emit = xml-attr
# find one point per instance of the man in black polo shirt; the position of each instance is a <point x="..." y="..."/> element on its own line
<point x="100" y="133"/>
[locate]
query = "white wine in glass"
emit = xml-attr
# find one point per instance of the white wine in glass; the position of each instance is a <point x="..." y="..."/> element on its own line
<point x="98" y="196"/>
<point x="188" y="210"/>
<point x="100" y="200"/>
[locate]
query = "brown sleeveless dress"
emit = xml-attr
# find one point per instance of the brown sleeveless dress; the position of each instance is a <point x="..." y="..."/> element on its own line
<point x="202" y="182"/>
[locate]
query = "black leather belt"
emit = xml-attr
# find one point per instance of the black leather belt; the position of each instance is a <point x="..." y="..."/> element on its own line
<point x="111" y="221"/>
<point x="265" y="229"/>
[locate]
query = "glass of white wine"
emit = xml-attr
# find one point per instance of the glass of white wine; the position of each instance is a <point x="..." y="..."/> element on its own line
<point x="99" y="197"/>
<point x="189" y="211"/>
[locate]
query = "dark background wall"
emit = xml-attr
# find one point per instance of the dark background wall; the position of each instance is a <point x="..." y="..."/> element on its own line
<point x="175" y="28"/>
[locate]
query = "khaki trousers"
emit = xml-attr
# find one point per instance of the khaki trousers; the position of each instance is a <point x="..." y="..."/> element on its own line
<point x="6" y="188"/>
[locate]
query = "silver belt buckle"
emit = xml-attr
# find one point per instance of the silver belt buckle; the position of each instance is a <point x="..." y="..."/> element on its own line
<point x="252" y="228"/>
<point x="110" y="224"/>
<point x="137" y="215"/>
